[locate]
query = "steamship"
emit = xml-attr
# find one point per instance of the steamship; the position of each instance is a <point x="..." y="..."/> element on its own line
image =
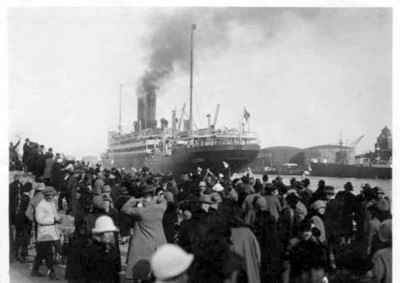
<point x="175" y="149"/>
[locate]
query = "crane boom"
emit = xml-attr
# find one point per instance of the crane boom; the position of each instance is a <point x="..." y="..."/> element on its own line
<point x="357" y="141"/>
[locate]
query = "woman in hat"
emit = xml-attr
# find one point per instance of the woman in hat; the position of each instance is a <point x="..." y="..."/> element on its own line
<point x="316" y="216"/>
<point x="148" y="232"/>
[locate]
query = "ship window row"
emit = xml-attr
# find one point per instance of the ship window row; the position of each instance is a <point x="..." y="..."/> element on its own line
<point x="224" y="141"/>
<point x="136" y="148"/>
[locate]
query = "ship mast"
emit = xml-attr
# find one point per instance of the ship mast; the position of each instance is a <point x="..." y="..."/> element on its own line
<point x="191" y="79"/>
<point x="120" y="109"/>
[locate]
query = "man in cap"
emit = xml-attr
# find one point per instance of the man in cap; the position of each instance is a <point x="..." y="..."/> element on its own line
<point x="148" y="230"/>
<point x="170" y="264"/>
<point x="46" y="217"/>
<point x="349" y="210"/>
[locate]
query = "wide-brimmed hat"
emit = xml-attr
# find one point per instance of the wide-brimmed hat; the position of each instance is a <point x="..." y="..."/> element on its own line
<point x="103" y="224"/>
<point x="170" y="261"/>
<point x="218" y="188"/>
<point x="318" y="204"/>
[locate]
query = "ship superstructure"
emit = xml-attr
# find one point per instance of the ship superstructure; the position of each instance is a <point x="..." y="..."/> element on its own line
<point x="180" y="148"/>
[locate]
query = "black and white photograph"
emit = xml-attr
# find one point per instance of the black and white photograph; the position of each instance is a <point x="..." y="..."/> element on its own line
<point x="200" y="144"/>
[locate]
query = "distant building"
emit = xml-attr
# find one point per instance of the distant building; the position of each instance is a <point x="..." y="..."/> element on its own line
<point x="383" y="146"/>
<point x="325" y="154"/>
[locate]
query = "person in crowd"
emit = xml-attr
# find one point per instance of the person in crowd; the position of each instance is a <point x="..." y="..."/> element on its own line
<point x="354" y="268"/>
<point x="273" y="205"/>
<point x="348" y="211"/>
<point x="101" y="260"/>
<point x="46" y="217"/>
<point x="378" y="213"/>
<point x="244" y="230"/>
<point x="36" y="197"/>
<point x="245" y="244"/>
<point x="289" y="218"/>
<point x="382" y="258"/>
<point x="248" y="205"/>
<point x="48" y="166"/>
<point x="170" y="264"/>
<point x="319" y="193"/>
<point x="316" y="217"/>
<point x="26" y="152"/>
<point x="23" y="225"/>
<point x="148" y="232"/>
<point x="266" y="231"/>
<point x="305" y="192"/>
<point x="307" y="256"/>
<point x="14" y="195"/>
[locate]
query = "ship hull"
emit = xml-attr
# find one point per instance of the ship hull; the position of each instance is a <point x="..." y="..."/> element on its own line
<point x="185" y="160"/>
<point x="350" y="171"/>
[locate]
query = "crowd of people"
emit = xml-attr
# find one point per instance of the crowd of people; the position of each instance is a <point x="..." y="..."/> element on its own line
<point x="197" y="227"/>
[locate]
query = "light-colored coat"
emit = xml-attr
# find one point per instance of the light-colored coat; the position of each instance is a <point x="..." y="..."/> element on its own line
<point x="148" y="233"/>
<point x="245" y="243"/>
<point x="46" y="215"/>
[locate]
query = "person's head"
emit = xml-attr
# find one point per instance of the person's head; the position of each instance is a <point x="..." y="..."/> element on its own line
<point x="305" y="230"/>
<point x="216" y="199"/>
<point x="202" y="186"/>
<point x="330" y="192"/>
<point x="265" y="178"/>
<point x="319" y="206"/>
<point x="148" y="192"/>
<point x="348" y="186"/>
<point x="292" y="200"/>
<point x="321" y="184"/>
<point x="170" y="264"/>
<point x="104" y="229"/>
<point x="49" y="193"/>
<point x="379" y="193"/>
<point x="258" y="187"/>
<point x="205" y="202"/>
<point x="306" y="182"/>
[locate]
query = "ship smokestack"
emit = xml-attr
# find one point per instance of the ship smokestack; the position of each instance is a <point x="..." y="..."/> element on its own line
<point x="150" y="114"/>
<point x="141" y="112"/>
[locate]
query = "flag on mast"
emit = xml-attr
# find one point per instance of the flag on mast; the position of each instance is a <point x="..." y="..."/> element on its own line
<point x="246" y="114"/>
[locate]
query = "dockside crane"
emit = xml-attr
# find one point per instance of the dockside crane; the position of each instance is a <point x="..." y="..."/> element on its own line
<point x="356" y="141"/>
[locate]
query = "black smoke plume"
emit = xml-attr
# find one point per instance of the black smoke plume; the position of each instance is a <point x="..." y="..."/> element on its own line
<point x="169" y="39"/>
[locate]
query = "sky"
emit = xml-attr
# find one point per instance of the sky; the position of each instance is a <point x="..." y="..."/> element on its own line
<point x="306" y="75"/>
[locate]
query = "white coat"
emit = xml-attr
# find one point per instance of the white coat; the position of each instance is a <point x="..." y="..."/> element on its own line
<point x="46" y="215"/>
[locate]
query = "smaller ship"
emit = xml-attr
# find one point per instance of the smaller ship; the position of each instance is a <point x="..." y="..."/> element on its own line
<point x="371" y="165"/>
